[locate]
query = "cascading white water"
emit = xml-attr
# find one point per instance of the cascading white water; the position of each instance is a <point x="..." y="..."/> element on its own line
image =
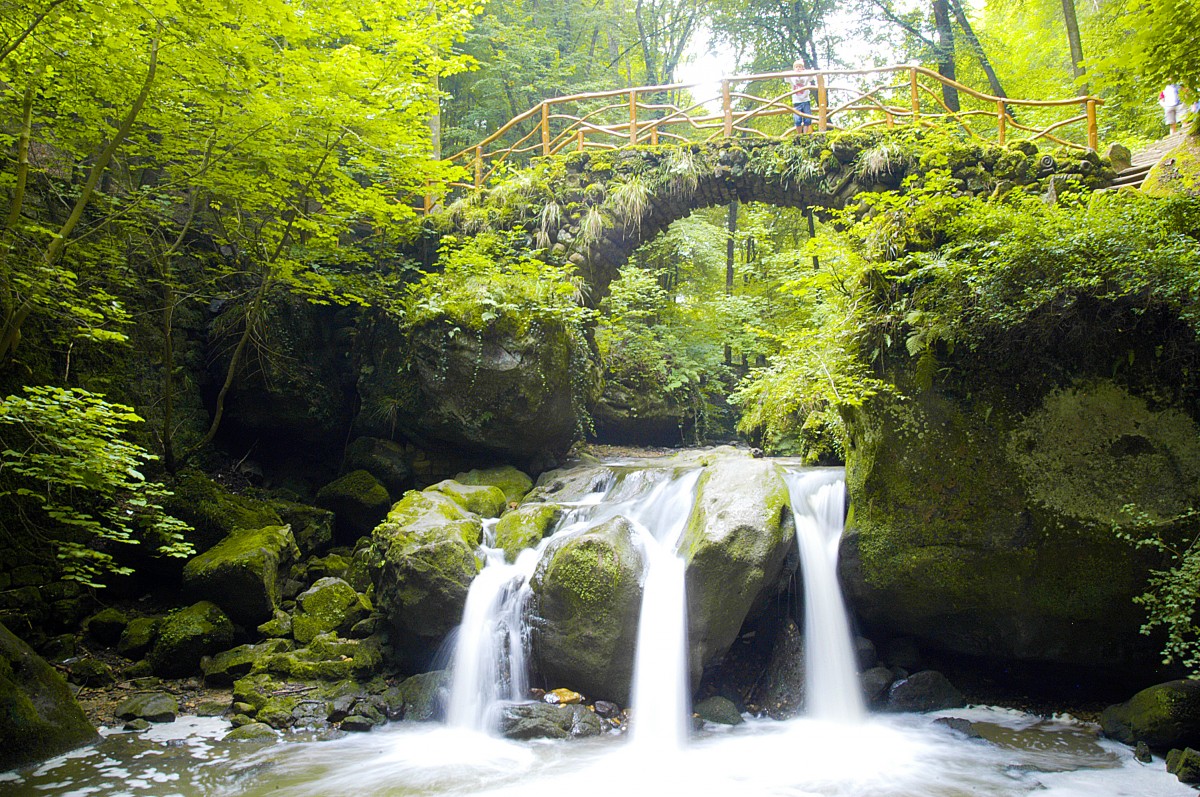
<point x="660" y="671"/>
<point x="832" y="690"/>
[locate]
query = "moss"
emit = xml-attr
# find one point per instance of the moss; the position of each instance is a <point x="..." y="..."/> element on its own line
<point x="483" y="500"/>
<point x="358" y="502"/>
<point x="512" y="482"/>
<point x="228" y="666"/>
<point x="525" y="526"/>
<point x="213" y="511"/>
<point x="329" y="605"/>
<point x="311" y="527"/>
<point x="38" y="716"/>
<point x="187" y="635"/>
<point x="1163" y="716"/>
<point x="419" y="514"/>
<point x="1178" y="173"/>
<point x="329" y="658"/>
<point x="243" y="572"/>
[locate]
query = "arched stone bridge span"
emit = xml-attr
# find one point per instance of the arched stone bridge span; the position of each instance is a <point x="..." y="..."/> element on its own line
<point x="594" y="208"/>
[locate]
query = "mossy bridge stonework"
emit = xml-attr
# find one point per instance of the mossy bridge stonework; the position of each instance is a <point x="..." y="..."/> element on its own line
<point x="594" y="208"/>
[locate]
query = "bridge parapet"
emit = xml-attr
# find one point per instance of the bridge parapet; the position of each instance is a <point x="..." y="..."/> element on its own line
<point x="843" y="100"/>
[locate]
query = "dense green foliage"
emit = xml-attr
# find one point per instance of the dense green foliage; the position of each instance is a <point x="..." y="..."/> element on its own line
<point x="74" y="470"/>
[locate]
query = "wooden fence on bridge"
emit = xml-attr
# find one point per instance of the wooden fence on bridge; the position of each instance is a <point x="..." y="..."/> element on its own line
<point x="842" y="100"/>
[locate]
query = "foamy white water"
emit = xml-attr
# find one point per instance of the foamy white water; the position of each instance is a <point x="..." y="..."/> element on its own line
<point x="832" y="690"/>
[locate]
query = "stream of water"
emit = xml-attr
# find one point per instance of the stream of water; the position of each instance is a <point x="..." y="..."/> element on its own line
<point x="835" y="750"/>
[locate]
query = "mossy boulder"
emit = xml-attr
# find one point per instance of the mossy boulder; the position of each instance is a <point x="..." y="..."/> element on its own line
<point x="385" y="460"/>
<point x="230" y="665"/>
<point x="564" y="485"/>
<point x="513" y="389"/>
<point x="214" y="511"/>
<point x="513" y="483"/>
<point x="328" y="658"/>
<point x="188" y="635"/>
<point x="39" y="717"/>
<point x="421" y="697"/>
<point x="243" y="573"/>
<point x="1163" y="716"/>
<point x="719" y="710"/>
<point x="735" y="544"/>
<point x="358" y="502"/>
<point x="422" y="560"/>
<point x="587" y="597"/>
<point x="328" y="605"/>
<point x="983" y="531"/>
<point x="106" y="626"/>
<point x="482" y="499"/>
<point x="259" y="732"/>
<point x="525" y="526"/>
<point x="149" y="706"/>
<point x="312" y="527"/>
<point x="1177" y="173"/>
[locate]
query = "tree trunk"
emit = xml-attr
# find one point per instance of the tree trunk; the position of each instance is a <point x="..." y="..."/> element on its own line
<point x="945" y="51"/>
<point x="1076" y="44"/>
<point x="965" y="25"/>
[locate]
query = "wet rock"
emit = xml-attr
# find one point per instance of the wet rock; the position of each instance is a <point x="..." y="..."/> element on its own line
<point x="735" y="543"/>
<point x="1185" y="765"/>
<point x="358" y="502"/>
<point x="513" y="483"/>
<point x="562" y="697"/>
<point x="718" y="709"/>
<point x="482" y="499"/>
<point x="525" y="526"/>
<point x="781" y="693"/>
<point x="188" y="635"/>
<point x="328" y="658"/>
<point x="211" y="708"/>
<point x="106" y="626"/>
<point x="228" y="666"/>
<point x="40" y="717"/>
<point x="865" y="653"/>
<point x="150" y="706"/>
<point x="138" y="636"/>
<point x="875" y="683"/>
<point x="243" y="572"/>
<point x="252" y="732"/>
<point x="422" y="561"/>
<point x="137" y="725"/>
<point x="328" y="605"/>
<point x="419" y="698"/>
<point x="544" y="721"/>
<point x="959" y="725"/>
<point x="1141" y="751"/>
<point x="91" y="672"/>
<point x="927" y="690"/>
<point x="1163" y="716"/>
<point x="606" y="709"/>
<point x="586" y="601"/>
<point x="357" y="724"/>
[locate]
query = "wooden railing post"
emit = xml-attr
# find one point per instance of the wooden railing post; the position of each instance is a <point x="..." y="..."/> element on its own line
<point x="891" y="120"/>
<point x="822" y="104"/>
<point x="633" y="116"/>
<point x="1093" y="129"/>
<point x="727" y="108"/>
<point x="916" y="98"/>
<point x="579" y="140"/>
<point x="1001" y="126"/>
<point x="545" y="127"/>
<point x="478" y="165"/>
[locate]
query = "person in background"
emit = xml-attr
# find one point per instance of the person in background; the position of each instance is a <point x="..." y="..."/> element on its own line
<point x="1168" y="98"/>
<point x="802" y="90"/>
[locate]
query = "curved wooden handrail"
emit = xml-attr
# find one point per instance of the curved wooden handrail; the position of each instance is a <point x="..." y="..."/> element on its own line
<point x="639" y="115"/>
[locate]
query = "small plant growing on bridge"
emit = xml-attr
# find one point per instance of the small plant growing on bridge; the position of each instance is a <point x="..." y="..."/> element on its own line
<point x="630" y="200"/>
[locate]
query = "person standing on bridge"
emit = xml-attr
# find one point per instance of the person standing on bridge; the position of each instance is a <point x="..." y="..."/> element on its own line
<point x="1168" y="98"/>
<point x="802" y="89"/>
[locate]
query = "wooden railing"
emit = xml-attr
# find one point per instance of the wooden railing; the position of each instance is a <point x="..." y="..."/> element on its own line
<point x="842" y="100"/>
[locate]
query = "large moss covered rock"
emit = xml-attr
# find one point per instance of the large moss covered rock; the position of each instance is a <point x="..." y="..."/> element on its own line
<point x="512" y="390"/>
<point x="525" y="526"/>
<point x="39" y="718"/>
<point x="328" y="605"/>
<point x="587" y="597"/>
<point x="213" y="511"/>
<point x="312" y="527"/>
<point x="242" y="573"/>
<point x="481" y="499"/>
<point x="1163" y="716"/>
<point x="186" y="636"/>
<point x="735" y="544"/>
<point x="422" y="561"/>
<point x="1178" y="173"/>
<point x="357" y="500"/>
<point x="982" y="531"/>
<point x="513" y="483"/>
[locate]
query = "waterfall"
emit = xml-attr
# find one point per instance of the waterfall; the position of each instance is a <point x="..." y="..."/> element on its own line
<point x="661" y="700"/>
<point x="489" y="664"/>
<point x="832" y="690"/>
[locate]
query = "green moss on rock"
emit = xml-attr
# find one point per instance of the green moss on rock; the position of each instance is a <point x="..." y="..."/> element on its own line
<point x="39" y="718"/>
<point x="357" y="500"/>
<point x="483" y="500"/>
<point x="243" y="573"/>
<point x="137" y="637"/>
<point x="514" y="483"/>
<point x="230" y="665"/>
<point x="312" y="527"/>
<point x="1163" y="716"/>
<point x="213" y="511"/>
<point x="188" y="635"/>
<point x="1178" y="173"/>
<point x="587" y="595"/>
<point x="525" y="526"/>
<point x="328" y="605"/>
